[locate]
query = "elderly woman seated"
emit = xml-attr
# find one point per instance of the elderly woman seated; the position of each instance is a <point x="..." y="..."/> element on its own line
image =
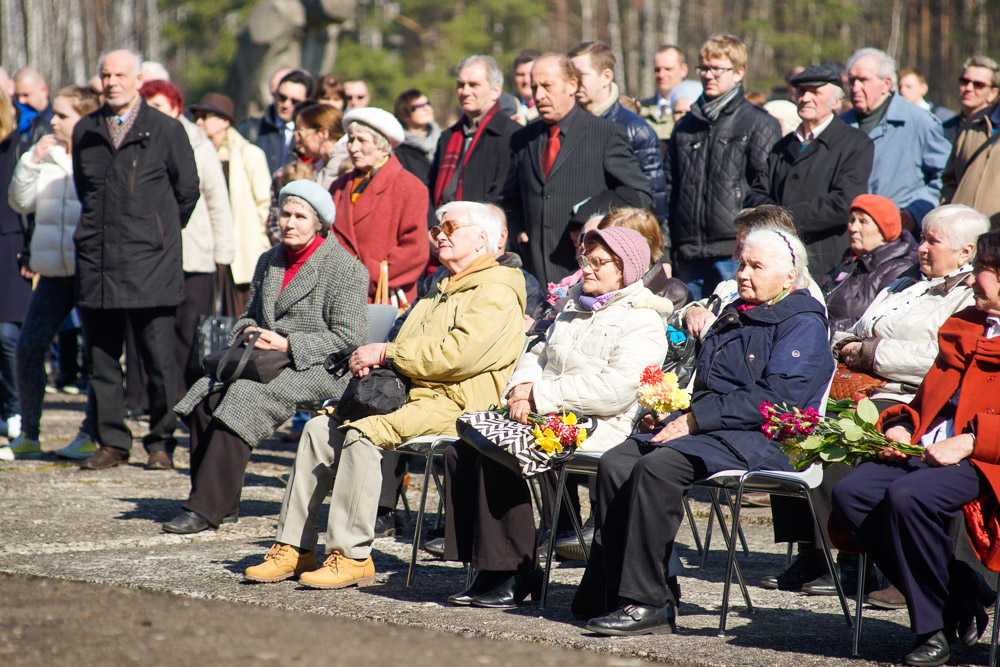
<point x="896" y="340"/>
<point x="610" y="329"/>
<point x="458" y="348"/>
<point x="880" y="252"/>
<point x="954" y="417"/>
<point x="307" y="299"/>
<point x="768" y="345"/>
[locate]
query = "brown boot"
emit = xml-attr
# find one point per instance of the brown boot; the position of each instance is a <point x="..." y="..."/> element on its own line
<point x="340" y="572"/>
<point x="280" y="563"/>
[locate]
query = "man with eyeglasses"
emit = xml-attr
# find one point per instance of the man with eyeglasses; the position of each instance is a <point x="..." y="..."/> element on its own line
<point x="972" y="176"/>
<point x="274" y="132"/>
<point x="977" y="89"/>
<point x="910" y="148"/>
<point x="716" y="152"/>
<point x="356" y="94"/>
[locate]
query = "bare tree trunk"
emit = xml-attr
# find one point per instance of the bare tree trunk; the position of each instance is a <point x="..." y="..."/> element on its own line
<point x="895" y="27"/>
<point x="76" y="59"/>
<point x="645" y="82"/>
<point x="615" y="35"/>
<point x="670" y="14"/>
<point x="14" y="49"/>
<point x="154" y="28"/>
<point x="633" y="57"/>
<point x="587" y="20"/>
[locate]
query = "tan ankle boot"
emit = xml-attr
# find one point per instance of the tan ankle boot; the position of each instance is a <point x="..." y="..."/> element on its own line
<point x="280" y="563"/>
<point x="340" y="572"/>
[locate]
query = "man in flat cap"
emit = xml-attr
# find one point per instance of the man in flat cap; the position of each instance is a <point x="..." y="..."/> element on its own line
<point x="817" y="170"/>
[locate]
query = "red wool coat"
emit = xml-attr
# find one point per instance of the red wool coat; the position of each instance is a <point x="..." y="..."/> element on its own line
<point x="389" y="222"/>
<point x="970" y="360"/>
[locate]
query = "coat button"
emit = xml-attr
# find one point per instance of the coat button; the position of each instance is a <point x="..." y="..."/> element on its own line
<point x="989" y="411"/>
<point x="991" y="378"/>
<point x="751" y="357"/>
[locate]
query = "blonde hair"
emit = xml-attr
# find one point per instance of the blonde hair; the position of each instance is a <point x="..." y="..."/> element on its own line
<point x="7" y="124"/>
<point x="725" y="46"/>
<point x="639" y="220"/>
<point x="296" y="171"/>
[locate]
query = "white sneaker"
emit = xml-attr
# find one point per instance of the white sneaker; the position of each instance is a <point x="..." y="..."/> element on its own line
<point x="6" y="453"/>
<point x="82" y="447"/>
<point x="13" y="427"/>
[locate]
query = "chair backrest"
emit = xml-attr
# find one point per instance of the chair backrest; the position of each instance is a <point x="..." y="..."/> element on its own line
<point x="380" y="319"/>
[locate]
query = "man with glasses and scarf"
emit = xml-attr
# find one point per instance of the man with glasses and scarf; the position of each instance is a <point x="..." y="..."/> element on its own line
<point x="274" y="132"/>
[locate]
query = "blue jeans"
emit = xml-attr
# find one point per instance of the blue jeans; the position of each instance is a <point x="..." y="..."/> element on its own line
<point x="9" y="333"/>
<point x="703" y="274"/>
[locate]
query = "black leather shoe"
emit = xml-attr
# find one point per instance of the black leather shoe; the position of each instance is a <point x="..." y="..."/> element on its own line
<point x="231" y="518"/>
<point x="435" y="546"/>
<point x="385" y="523"/>
<point x="929" y="651"/>
<point x="568" y="546"/>
<point x="512" y="591"/>
<point x="636" y="619"/>
<point x="807" y="566"/>
<point x="847" y="566"/>
<point x="483" y="582"/>
<point x="186" y="522"/>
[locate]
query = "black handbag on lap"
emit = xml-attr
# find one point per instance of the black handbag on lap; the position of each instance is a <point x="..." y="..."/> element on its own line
<point x="242" y="361"/>
<point x="380" y="392"/>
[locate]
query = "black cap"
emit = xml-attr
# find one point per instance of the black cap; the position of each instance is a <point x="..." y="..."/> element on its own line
<point x="817" y="75"/>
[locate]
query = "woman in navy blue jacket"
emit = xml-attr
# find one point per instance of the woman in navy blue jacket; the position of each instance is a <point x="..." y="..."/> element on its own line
<point x="768" y="345"/>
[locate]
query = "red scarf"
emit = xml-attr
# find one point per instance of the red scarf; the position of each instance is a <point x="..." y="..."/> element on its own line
<point x="449" y="160"/>
<point x="296" y="258"/>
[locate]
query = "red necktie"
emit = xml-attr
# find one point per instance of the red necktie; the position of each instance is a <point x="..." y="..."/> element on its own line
<point x="551" y="150"/>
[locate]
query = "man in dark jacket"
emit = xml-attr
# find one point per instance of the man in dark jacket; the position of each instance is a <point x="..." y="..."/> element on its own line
<point x="817" y="170"/>
<point x="31" y="90"/>
<point x="473" y="155"/>
<point x="715" y="153"/>
<point x="138" y="184"/>
<point x="274" y="132"/>
<point x="598" y="94"/>
<point x="565" y="169"/>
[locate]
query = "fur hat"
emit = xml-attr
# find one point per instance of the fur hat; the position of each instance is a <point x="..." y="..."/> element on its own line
<point x="629" y="246"/>
<point x="314" y="194"/>
<point x="883" y="212"/>
<point x="379" y="120"/>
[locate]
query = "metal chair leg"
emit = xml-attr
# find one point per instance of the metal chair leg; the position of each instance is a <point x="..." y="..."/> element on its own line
<point x="788" y="556"/>
<point x="560" y="487"/>
<point x="731" y="565"/>
<point x="996" y="627"/>
<point x="859" y="605"/>
<point x="708" y="535"/>
<point x="693" y="526"/>
<point x="739" y="529"/>
<point x="829" y="559"/>
<point x="468" y="576"/>
<point x="420" y="512"/>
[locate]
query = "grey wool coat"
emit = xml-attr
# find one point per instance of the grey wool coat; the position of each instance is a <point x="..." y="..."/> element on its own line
<point x="323" y="309"/>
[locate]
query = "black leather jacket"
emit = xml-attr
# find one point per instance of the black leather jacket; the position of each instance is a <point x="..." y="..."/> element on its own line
<point x="646" y="147"/>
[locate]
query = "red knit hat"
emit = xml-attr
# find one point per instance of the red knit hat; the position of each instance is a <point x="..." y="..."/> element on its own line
<point x="883" y="212"/>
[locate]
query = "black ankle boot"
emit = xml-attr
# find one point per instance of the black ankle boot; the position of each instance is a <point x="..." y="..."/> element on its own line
<point x="483" y="582"/>
<point x="512" y="591"/>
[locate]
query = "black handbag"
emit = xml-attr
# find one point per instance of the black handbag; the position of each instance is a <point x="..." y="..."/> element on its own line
<point x="380" y="392"/>
<point x="242" y="361"/>
<point x="210" y="335"/>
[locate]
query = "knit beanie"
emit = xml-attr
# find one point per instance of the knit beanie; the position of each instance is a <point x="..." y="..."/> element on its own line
<point x="629" y="246"/>
<point x="317" y="197"/>
<point x="883" y="212"/>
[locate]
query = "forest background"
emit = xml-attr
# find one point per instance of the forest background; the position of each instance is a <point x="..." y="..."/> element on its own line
<point x="399" y="44"/>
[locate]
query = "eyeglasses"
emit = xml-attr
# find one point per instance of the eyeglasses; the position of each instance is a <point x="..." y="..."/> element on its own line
<point x="419" y="105"/>
<point x="304" y="131"/>
<point x="282" y="98"/>
<point x="714" y="71"/>
<point x="594" y="263"/>
<point x="978" y="85"/>
<point x="448" y="227"/>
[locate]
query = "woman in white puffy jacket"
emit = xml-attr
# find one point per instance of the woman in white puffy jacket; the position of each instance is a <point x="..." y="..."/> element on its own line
<point x="43" y="185"/>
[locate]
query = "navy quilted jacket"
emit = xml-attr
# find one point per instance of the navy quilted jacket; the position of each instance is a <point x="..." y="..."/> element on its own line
<point x="646" y="148"/>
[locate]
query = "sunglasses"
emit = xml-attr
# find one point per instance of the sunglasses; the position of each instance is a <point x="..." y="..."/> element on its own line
<point x="419" y="105"/>
<point x="282" y="98"/>
<point x="594" y="263"/>
<point x="448" y="227"/>
<point x="978" y="85"/>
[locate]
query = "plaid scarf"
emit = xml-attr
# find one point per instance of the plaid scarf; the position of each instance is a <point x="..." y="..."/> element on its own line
<point x="118" y="130"/>
<point x="452" y="154"/>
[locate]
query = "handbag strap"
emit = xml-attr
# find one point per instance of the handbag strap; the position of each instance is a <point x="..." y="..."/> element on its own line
<point x="247" y="339"/>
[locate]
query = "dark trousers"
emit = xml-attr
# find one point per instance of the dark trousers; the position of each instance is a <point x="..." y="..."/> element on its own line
<point x="393" y="472"/>
<point x="197" y="302"/>
<point x="9" y="403"/>
<point x="792" y="521"/>
<point x="219" y="460"/>
<point x="547" y="482"/>
<point x="136" y="379"/>
<point x="104" y="334"/>
<point x="901" y="515"/>
<point x="488" y="517"/>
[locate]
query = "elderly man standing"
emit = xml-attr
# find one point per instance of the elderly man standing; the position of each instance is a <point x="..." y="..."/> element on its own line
<point x="669" y="69"/>
<point x="717" y="150"/>
<point x="473" y="155"/>
<point x="274" y="132"/>
<point x="137" y="182"/>
<point x="565" y="169"/>
<point x="977" y="89"/>
<point x="817" y="170"/>
<point x="910" y="148"/>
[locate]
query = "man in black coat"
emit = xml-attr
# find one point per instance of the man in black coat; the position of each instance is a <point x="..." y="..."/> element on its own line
<point x="817" y="170"/>
<point x="138" y="184"/>
<point x="566" y="167"/>
<point x="473" y="155"/>
<point x="274" y="132"/>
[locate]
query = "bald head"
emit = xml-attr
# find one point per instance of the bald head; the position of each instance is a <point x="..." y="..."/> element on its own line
<point x="30" y="88"/>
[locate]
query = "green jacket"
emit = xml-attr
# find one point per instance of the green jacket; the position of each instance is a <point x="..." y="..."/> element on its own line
<point x="458" y="348"/>
<point x="663" y="127"/>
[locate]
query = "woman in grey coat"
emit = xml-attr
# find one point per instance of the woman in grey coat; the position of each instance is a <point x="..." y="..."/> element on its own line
<point x="308" y="299"/>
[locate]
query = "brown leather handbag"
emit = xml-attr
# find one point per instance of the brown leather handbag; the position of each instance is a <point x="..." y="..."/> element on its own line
<point x="849" y="383"/>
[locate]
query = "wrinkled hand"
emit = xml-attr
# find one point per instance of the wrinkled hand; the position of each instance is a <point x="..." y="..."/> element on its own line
<point x="696" y="318"/>
<point x="895" y="434"/>
<point x="850" y="354"/>
<point x="366" y="357"/>
<point x="42" y="148"/>
<point x="519" y="410"/>
<point x="27" y="273"/>
<point x="520" y="392"/>
<point x="678" y="428"/>
<point x="269" y="340"/>
<point x="949" y="452"/>
<point x="647" y="422"/>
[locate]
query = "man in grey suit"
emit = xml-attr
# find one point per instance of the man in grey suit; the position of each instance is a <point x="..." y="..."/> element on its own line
<point x="565" y="167"/>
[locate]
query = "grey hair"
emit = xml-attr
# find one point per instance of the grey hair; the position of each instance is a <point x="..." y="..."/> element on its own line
<point x="134" y="54"/>
<point x="154" y="71"/>
<point x="886" y="64"/>
<point x="960" y="223"/>
<point x="838" y="97"/>
<point x="494" y="75"/>
<point x="987" y="63"/>
<point x="380" y="139"/>
<point x="787" y="249"/>
<point x="480" y="216"/>
<point x="295" y="199"/>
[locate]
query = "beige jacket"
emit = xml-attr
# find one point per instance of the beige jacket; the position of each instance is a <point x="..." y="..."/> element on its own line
<point x="207" y="239"/>
<point x="250" y="199"/>
<point x="976" y="183"/>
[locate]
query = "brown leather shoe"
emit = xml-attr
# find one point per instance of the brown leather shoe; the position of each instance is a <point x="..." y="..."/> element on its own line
<point x="106" y="457"/>
<point x="159" y="460"/>
<point x="887" y="598"/>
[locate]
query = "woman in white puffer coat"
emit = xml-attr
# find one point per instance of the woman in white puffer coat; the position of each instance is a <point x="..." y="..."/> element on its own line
<point x="43" y="185"/>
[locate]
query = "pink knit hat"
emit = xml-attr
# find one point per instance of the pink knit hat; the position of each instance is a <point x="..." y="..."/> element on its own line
<point x="629" y="246"/>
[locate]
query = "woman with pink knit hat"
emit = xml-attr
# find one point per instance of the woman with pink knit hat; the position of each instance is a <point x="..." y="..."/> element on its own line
<point x="880" y="252"/>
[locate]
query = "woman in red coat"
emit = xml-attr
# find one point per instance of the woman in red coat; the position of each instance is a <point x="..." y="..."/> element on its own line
<point x="900" y="507"/>
<point x="381" y="207"/>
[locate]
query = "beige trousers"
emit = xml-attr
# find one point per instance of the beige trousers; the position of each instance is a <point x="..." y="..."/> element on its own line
<point x="350" y="465"/>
